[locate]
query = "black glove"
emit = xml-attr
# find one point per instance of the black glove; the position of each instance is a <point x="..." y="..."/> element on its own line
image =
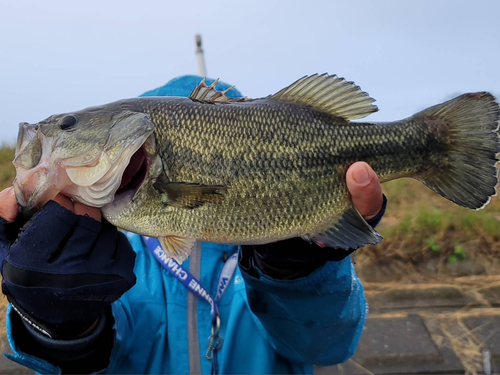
<point x="63" y="269"/>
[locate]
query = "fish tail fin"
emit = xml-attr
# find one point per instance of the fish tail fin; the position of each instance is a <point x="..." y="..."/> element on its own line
<point x="466" y="128"/>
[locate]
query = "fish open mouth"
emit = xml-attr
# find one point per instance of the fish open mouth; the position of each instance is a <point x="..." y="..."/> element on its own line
<point x="118" y="180"/>
<point x="134" y="173"/>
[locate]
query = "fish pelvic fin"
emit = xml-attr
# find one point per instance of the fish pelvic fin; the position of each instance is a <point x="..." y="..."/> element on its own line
<point x="189" y="195"/>
<point x="330" y="94"/>
<point x="177" y="247"/>
<point x="464" y="171"/>
<point x="350" y="232"/>
<point x="208" y="94"/>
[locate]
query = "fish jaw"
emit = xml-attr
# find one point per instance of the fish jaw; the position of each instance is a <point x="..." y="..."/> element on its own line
<point x="38" y="179"/>
<point x="36" y="186"/>
<point x="94" y="185"/>
<point x="86" y="161"/>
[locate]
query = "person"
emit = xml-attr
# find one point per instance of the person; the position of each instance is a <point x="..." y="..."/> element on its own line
<point x="85" y="297"/>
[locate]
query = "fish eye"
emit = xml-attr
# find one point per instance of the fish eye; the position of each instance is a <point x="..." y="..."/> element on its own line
<point x="68" y="122"/>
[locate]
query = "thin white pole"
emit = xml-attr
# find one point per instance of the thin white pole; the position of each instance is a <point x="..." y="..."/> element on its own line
<point x="202" y="70"/>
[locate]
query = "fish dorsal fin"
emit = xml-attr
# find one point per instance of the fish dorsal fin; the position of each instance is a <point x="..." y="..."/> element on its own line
<point x="177" y="247"/>
<point x="329" y="94"/>
<point x="208" y="94"/>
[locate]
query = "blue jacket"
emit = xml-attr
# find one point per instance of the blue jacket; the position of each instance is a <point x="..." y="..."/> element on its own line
<point x="269" y="325"/>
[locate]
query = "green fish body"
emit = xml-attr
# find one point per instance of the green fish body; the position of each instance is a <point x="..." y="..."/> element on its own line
<point x="242" y="171"/>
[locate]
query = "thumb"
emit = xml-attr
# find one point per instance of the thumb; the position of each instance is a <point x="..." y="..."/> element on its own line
<point x="8" y="204"/>
<point x="365" y="189"/>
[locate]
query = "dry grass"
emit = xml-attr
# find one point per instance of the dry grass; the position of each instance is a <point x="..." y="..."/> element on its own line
<point x="7" y="171"/>
<point x="426" y="235"/>
<point x="448" y="330"/>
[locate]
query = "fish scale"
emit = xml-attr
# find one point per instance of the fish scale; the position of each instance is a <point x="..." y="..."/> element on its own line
<point x="206" y="132"/>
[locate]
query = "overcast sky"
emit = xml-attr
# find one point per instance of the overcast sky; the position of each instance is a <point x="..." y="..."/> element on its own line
<point x="59" y="56"/>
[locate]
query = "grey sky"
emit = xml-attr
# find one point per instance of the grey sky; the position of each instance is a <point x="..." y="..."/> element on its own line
<point x="58" y="56"/>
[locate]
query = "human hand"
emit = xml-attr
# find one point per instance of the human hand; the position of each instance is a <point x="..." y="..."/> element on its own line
<point x="8" y="206"/>
<point x="64" y="268"/>
<point x="365" y="189"/>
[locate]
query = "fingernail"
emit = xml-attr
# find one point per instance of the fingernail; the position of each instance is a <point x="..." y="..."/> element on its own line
<point x="361" y="176"/>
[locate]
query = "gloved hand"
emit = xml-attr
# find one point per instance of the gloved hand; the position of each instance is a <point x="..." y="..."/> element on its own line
<point x="60" y="270"/>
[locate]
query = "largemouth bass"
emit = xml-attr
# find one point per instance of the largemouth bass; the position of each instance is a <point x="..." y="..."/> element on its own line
<point x="253" y="171"/>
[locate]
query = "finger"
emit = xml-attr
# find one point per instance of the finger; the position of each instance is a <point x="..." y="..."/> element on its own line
<point x="65" y="202"/>
<point x="365" y="189"/>
<point x="93" y="212"/>
<point x="8" y="204"/>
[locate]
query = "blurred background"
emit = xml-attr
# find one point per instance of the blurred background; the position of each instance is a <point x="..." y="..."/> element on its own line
<point x="433" y="285"/>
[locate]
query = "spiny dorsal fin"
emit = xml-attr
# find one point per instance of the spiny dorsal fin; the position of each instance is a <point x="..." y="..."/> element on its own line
<point x="189" y="195"/>
<point x="208" y="94"/>
<point x="330" y="94"/>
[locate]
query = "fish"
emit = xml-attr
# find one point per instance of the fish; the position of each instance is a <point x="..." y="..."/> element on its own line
<point x="253" y="171"/>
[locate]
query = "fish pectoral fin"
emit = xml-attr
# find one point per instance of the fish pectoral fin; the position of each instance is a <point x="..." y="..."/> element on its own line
<point x="189" y="195"/>
<point x="177" y="247"/>
<point x="208" y="94"/>
<point x="351" y="231"/>
<point x="330" y="94"/>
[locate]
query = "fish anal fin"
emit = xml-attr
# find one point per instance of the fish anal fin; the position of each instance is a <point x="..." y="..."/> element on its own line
<point x="208" y="94"/>
<point x="177" y="247"/>
<point x="190" y="195"/>
<point x="351" y="231"/>
<point x="330" y="94"/>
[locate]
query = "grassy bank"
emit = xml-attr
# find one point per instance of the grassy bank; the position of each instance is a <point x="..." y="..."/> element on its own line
<point x="425" y="235"/>
<point x="7" y="171"/>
